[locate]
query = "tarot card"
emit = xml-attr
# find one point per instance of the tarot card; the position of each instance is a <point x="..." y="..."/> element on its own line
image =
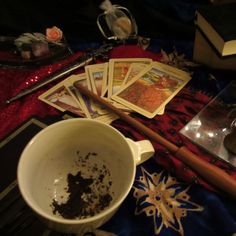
<point x="134" y="69"/>
<point x="86" y="104"/>
<point x="69" y="83"/>
<point x="97" y="75"/>
<point x="149" y="92"/>
<point x="118" y="69"/>
<point x="91" y="108"/>
<point x="60" y="98"/>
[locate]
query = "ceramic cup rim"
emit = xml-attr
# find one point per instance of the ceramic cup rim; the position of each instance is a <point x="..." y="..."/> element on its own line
<point x="55" y="219"/>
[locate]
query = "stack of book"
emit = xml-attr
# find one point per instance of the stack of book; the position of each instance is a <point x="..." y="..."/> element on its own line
<point x="215" y="38"/>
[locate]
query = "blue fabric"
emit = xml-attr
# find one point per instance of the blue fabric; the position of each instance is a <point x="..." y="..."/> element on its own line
<point x="207" y="213"/>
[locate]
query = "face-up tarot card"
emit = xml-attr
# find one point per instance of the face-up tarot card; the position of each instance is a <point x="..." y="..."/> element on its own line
<point x="134" y="70"/>
<point x="91" y="108"/>
<point x="69" y="83"/>
<point x="97" y="75"/>
<point x="87" y="104"/>
<point x="149" y="92"/>
<point x="118" y="69"/>
<point x="60" y="98"/>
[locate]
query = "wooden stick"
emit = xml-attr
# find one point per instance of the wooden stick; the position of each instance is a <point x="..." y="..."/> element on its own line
<point x="211" y="173"/>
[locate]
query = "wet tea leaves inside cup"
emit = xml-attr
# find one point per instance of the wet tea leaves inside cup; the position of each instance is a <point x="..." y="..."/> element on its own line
<point x="88" y="189"/>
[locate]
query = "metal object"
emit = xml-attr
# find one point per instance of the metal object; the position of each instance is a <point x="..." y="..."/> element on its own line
<point x="82" y="61"/>
<point x="117" y="23"/>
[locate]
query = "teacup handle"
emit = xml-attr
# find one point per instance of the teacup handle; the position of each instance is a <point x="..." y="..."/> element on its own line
<point x="142" y="150"/>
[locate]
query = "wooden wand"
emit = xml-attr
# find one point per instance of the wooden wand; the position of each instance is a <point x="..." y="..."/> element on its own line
<point x="211" y="173"/>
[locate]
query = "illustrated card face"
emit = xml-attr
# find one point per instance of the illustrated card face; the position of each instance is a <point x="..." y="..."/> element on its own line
<point x="60" y="98"/>
<point x="97" y="75"/>
<point x="91" y="108"/>
<point x="118" y="69"/>
<point x="149" y="92"/>
<point x="134" y="69"/>
<point x="69" y="83"/>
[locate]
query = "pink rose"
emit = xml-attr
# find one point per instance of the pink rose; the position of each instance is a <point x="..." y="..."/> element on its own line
<point x="54" y="34"/>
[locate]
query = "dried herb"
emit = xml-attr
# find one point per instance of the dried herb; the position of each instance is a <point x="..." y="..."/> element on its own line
<point x="87" y="195"/>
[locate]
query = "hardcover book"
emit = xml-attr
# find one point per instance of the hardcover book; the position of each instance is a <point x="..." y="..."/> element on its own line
<point x="218" y="22"/>
<point x="205" y="53"/>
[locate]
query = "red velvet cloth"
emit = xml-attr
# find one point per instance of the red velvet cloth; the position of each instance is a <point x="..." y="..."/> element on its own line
<point x="179" y="111"/>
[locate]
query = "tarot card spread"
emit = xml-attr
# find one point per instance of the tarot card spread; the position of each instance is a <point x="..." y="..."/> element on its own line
<point x="213" y="124"/>
<point x="64" y="96"/>
<point x="141" y="86"/>
<point x="149" y="92"/>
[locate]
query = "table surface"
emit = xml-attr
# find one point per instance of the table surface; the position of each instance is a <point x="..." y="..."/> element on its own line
<point x="178" y="203"/>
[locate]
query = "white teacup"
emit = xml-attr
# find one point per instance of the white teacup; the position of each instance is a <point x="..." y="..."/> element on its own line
<point x="91" y="153"/>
